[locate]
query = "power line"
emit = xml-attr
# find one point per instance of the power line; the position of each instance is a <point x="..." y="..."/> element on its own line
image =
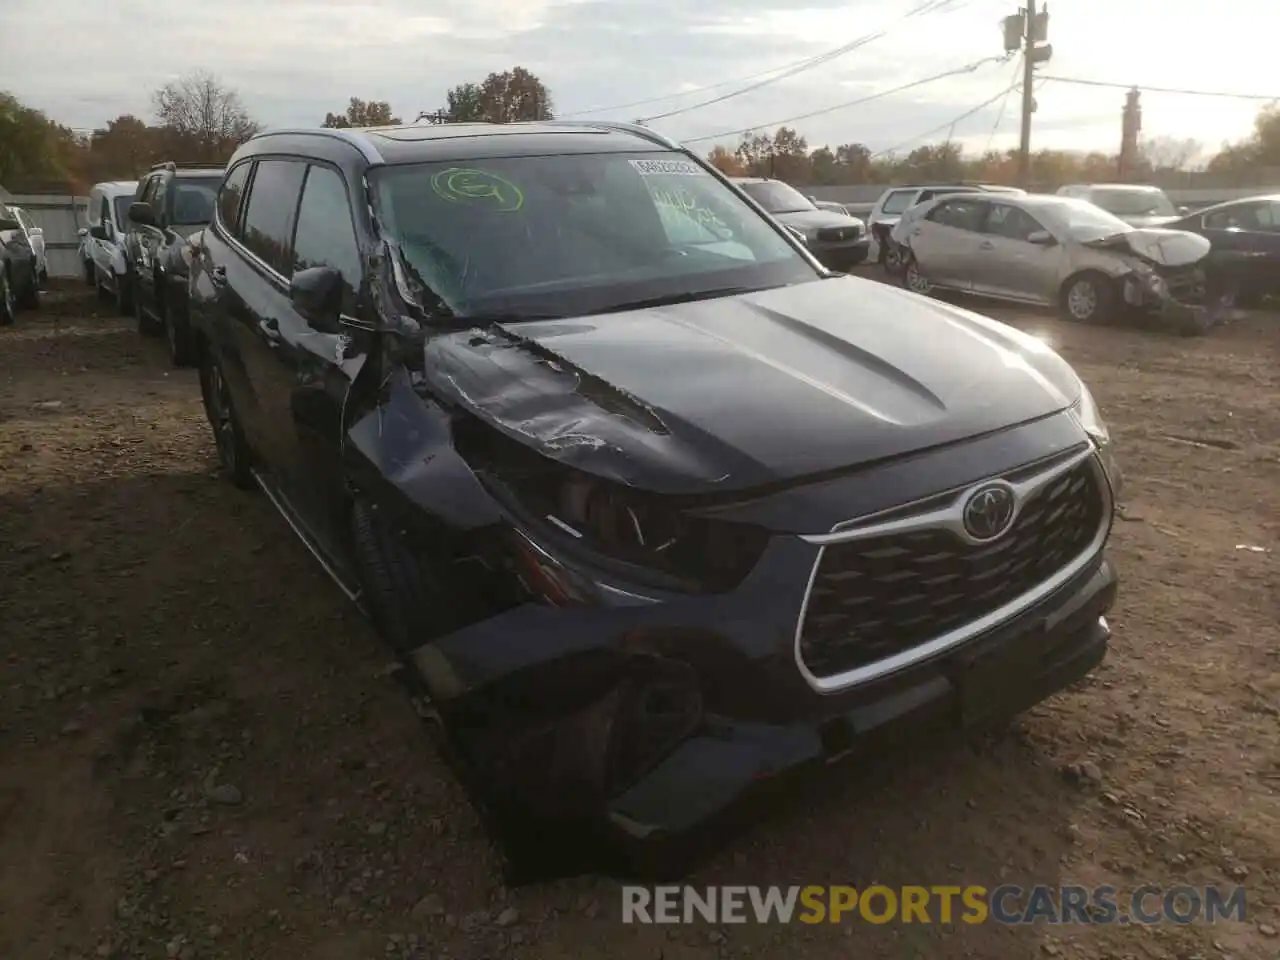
<point x="1146" y="89"/>
<point x="967" y="68"/>
<point x="949" y="125"/>
<point x="929" y="6"/>
<point x="1017" y="69"/>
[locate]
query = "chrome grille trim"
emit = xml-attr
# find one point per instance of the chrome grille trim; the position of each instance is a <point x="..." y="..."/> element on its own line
<point x="950" y="517"/>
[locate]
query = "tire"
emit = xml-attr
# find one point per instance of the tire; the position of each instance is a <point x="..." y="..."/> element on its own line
<point x="234" y="457"/>
<point x="90" y="276"/>
<point x="124" y="302"/>
<point x="891" y="260"/>
<point x="8" y="306"/>
<point x="147" y="326"/>
<point x="104" y="295"/>
<point x="914" y="279"/>
<point x="404" y="596"/>
<point x="177" y="332"/>
<point x="29" y="299"/>
<point x="1087" y="298"/>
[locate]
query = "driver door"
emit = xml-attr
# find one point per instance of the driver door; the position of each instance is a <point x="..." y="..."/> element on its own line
<point x="1011" y="266"/>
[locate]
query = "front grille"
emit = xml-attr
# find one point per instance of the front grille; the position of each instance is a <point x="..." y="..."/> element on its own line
<point x="882" y="596"/>
<point x="836" y="234"/>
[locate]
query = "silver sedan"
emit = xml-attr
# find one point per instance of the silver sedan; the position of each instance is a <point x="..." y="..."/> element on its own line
<point x="1054" y="251"/>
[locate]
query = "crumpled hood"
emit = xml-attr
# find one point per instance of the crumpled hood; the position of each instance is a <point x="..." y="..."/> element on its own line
<point x="1169" y="248"/>
<point x="809" y="220"/>
<point x="745" y="391"/>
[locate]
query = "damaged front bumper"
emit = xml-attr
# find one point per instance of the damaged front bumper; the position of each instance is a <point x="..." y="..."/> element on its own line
<point x="652" y="715"/>
<point x="1179" y="299"/>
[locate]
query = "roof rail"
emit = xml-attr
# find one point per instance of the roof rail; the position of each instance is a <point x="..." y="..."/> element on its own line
<point x="184" y="165"/>
<point x="635" y="129"/>
<point x="348" y="135"/>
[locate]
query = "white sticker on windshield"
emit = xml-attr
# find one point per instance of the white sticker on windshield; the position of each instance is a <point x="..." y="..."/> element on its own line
<point x="668" y="168"/>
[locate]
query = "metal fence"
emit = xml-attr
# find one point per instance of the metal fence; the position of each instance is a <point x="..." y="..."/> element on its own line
<point x="60" y="217"/>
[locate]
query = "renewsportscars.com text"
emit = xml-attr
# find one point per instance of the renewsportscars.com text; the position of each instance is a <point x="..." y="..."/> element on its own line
<point x="1008" y="904"/>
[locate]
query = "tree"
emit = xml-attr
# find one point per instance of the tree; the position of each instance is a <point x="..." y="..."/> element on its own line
<point x="31" y="145"/>
<point x="466" y="103"/>
<point x="726" y="162"/>
<point x="1170" y="153"/>
<point x="363" y="113"/>
<point x="122" y="149"/>
<point x="1262" y="149"/>
<point x="754" y="153"/>
<point x="204" y="120"/>
<point x="514" y="95"/>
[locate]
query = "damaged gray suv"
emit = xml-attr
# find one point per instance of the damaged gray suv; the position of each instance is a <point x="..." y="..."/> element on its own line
<point x="656" y="510"/>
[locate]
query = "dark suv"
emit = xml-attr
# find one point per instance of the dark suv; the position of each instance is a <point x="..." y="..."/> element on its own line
<point x="656" y="512"/>
<point x="19" y="275"/>
<point x="172" y="203"/>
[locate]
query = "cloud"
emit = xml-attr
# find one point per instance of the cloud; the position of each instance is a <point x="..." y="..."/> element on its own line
<point x="294" y="60"/>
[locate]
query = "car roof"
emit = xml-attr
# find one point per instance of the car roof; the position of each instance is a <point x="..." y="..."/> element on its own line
<point x="1272" y="197"/>
<point x="183" y="173"/>
<point x="1147" y="187"/>
<point x="417" y="142"/>
<point x="116" y="186"/>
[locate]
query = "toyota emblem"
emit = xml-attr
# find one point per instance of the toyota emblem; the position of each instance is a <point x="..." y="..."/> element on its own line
<point x="989" y="511"/>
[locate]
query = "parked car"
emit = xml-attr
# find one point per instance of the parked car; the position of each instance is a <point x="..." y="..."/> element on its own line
<point x="1139" y="205"/>
<point x="104" y="249"/>
<point x="653" y="515"/>
<point x="838" y="240"/>
<point x="35" y="240"/>
<point x="897" y="200"/>
<point x="1056" y="251"/>
<point x="1245" y="235"/>
<point x="19" y="278"/>
<point x="171" y="204"/>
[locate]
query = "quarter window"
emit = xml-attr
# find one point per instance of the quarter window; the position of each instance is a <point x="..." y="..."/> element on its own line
<point x="229" y="196"/>
<point x="268" y="219"/>
<point x="325" y="235"/>
<point x="898" y="201"/>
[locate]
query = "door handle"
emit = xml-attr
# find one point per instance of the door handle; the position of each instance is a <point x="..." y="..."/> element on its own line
<point x="218" y="276"/>
<point x="270" y="328"/>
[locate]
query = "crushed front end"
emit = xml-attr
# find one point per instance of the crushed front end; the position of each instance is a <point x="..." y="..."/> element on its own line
<point x="1162" y="274"/>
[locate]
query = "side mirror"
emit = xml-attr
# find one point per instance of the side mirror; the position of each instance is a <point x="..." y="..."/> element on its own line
<point x="99" y="232"/>
<point x="142" y="213"/>
<point x="316" y="293"/>
<point x="1041" y="238"/>
<point x="9" y="224"/>
<point x="37" y="231"/>
<point x="82" y="233"/>
<point x="1183" y="210"/>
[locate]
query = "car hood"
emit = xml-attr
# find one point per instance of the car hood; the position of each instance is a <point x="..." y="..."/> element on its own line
<point x="748" y="391"/>
<point x="1168" y="248"/>
<point x="816" y="219"/>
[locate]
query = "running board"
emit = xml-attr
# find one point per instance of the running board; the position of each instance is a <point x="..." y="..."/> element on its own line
<point x="281" y="503"/>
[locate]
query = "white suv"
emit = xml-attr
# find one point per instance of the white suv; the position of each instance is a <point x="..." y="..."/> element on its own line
<point x="102" y="243"/>
<point x="897" y="200"/>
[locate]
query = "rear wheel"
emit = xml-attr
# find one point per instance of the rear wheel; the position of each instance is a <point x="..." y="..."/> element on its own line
<point x="1087" y="298"/>
<point x="89" y="277"/>
<point x="30" y="297"/>
<point x="233" y="451"/>
<point x="914" y="279"/>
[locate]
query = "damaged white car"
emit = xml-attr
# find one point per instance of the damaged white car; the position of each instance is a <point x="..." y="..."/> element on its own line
<point x="1056" y="251"/>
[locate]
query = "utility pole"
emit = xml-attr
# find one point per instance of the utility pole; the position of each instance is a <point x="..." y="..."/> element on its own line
<point x="1028" y="31"/>
<point x="1130" y="124"/>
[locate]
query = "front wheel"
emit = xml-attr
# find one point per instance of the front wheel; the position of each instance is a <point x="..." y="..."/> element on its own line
<point x="233" y="450"/>
<point x="1087" y="298"/>
<point x="914" y="280"/>
<point x="30" y="299"/>
<point x="89" y="276"/>
<point x="178" y="336"/>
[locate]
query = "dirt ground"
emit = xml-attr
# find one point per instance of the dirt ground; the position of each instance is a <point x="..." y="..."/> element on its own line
<point x="194" y="766"/>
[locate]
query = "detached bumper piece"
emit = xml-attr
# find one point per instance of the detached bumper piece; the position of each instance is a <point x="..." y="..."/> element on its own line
<point x="1180" y="299"/>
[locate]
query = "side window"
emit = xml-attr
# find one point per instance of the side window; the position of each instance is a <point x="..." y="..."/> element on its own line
<point x="325" y="235"/>
<point x="960" y="214"/>
<point x="1012" y="223"/>
<point x="898" y="201"/>
<point x="104" y="214"/>
<point x="1243" y="216"/>
<point x="229" y="196"/>
<point x="1272" y="216"/>
<point x="268" y="219"/>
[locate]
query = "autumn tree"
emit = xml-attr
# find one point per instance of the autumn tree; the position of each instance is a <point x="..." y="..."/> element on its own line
<point x="122" y="149"/>
<point x="363" y="113"/>
<point x="726" y="162"/>
<point x="31" y="145"/>
<point x="204" y="120"/>
<point x="1262" y="149"/>
<point x="506" y="97"/>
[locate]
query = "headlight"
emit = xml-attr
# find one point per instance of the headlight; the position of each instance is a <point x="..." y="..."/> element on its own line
<point x="1090" y="419"/>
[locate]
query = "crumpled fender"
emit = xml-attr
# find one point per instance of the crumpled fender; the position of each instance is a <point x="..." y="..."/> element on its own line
<point x="409" y="441"/>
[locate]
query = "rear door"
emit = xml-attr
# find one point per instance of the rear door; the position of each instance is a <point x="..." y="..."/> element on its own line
<point x="946" y="242"/>
<point x="1245" y="237"/>
<point x="1010" y="265"/>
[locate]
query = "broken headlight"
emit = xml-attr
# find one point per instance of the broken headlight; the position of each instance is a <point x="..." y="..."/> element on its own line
<point x="1088" y="416"/>
<point x="652" y="532"/>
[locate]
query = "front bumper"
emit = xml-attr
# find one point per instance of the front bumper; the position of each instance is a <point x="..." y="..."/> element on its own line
<point x="1189" y="312"/>
<point x="842" y="255"/>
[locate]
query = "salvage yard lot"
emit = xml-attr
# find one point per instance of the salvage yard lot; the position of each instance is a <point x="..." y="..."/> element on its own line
<point x="202" y="753"/>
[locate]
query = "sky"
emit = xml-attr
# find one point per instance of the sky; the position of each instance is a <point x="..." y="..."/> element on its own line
<point x="87" y="61"/>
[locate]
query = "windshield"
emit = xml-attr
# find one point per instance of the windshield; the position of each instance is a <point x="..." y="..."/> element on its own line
<point x="1134" y="203"/>
<point x="193" y="200"/>
<point x="121" y="207"/>
<point x="575" y="234"/>
<point x="777" y="197"/>
<point x="898" y="201"/>
<point x="1081" y="220"/>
